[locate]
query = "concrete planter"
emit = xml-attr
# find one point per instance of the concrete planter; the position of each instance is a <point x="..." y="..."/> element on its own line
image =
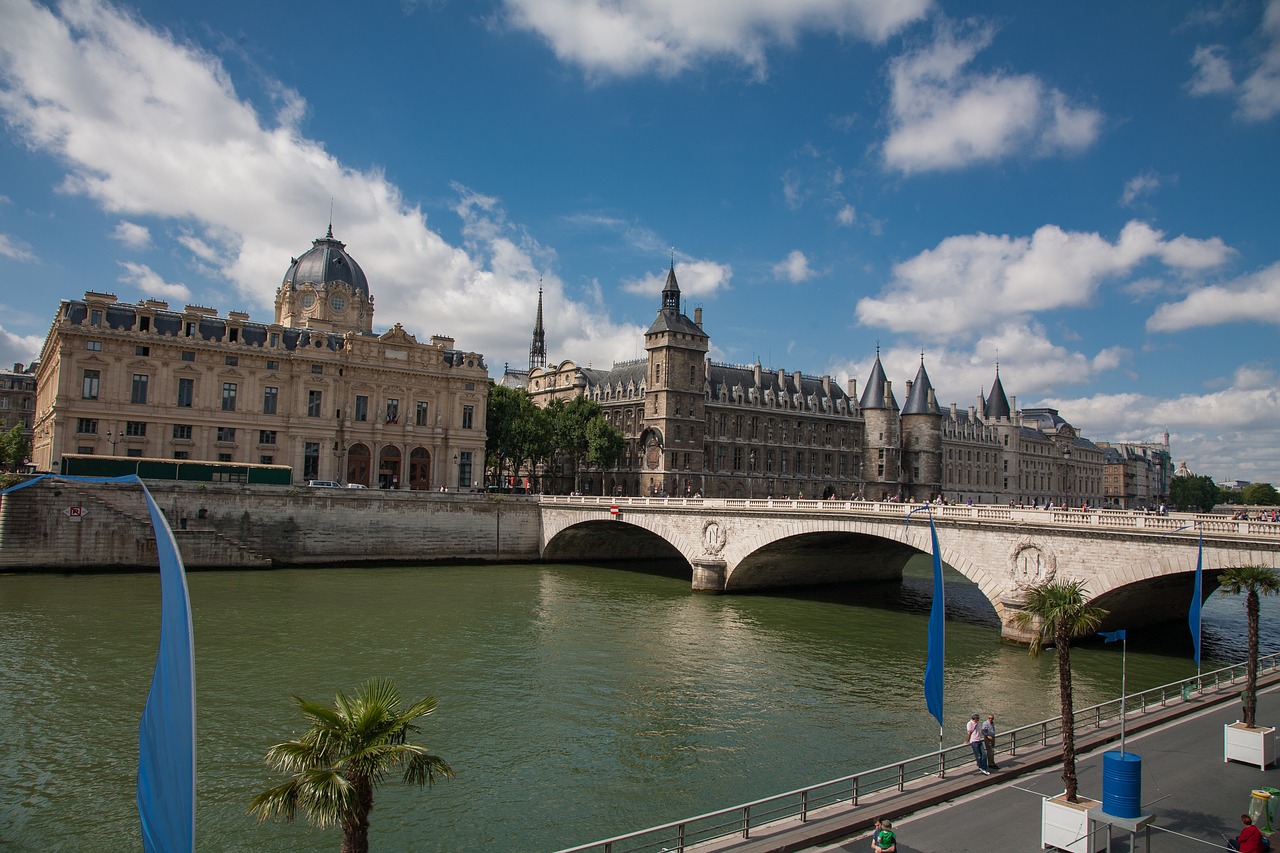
<point x="1252" y="745"/>
<point x="1066" y="826"/>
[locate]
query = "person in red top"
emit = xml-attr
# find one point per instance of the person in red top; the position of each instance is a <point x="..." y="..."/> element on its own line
<point x="1250" y="838"/>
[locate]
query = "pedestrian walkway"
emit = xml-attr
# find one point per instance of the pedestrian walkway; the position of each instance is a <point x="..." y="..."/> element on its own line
<point x="1194" y="795"/>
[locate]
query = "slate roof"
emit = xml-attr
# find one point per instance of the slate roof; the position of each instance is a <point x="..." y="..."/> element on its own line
<point x="918" y="401"/>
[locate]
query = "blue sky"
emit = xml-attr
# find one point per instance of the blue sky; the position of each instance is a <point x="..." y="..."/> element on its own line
<point x="1084" y="192"/>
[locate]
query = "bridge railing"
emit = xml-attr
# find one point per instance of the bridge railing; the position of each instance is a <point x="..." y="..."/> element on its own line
<point x="1185" y="524"/>
<point x="801" y="803"/>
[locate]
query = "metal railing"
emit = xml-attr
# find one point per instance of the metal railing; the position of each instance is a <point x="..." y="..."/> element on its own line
<point x="799" y="804"/>
<point x="1182" y="525"/>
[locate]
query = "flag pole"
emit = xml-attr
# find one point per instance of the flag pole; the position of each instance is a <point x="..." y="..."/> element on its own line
<point x="937" y="640"/>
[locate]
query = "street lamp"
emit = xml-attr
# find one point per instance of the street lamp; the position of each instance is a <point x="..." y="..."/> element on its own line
<point x="113" y="438"/>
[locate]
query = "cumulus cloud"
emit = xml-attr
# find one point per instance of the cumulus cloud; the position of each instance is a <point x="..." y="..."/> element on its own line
<point x="12" y="247"/>
<point x="1257" y="93"/>
<point x="131" y="234"/>
<point x="151" y="127"/>
<point x="1138" y="187"/>
<point x="970" y="282"/>
<point x="149" y="283"/>
<point x="1250" y="299"/>
<point x="621" y="38"/>
<point x="18" y="349"/>
<point x="944" y="116"/>
<point x="846" y="215"/>
<point x="695" y="278"/>
<point x="793" y="268"/>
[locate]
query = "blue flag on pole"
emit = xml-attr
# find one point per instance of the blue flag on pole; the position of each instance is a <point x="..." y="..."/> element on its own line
<point x="1111" y="636"/>
<point x="937" y="636"/>
<point x="167" y="732"/>
<point x="1193" y="618"/>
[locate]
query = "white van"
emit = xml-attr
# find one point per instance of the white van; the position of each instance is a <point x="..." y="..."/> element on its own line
<point x="323" y="484"/>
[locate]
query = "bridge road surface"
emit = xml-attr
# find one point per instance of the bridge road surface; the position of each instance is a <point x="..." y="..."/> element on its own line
<point x="1185" y="784"/>
<point x="1194" y="795"/>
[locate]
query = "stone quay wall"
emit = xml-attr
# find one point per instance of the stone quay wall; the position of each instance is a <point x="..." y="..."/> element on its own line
<point x="76" y="526"/>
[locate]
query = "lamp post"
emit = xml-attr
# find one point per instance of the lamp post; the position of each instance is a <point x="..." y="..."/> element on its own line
<point x="457" y="471"/>
<point x="113" y="438"/>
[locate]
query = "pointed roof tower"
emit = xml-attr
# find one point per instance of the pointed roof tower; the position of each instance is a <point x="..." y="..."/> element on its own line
<point x="669" y="318"/>
<point x="671" y="291"/>
<point x="920" y="401"/>
<point x="997" y="405"/>
<point x="538" y="349"/>
<point x="874" y="396"/>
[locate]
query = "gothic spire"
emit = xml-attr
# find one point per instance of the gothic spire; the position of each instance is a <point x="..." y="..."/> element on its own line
<point x="538" y="349"/>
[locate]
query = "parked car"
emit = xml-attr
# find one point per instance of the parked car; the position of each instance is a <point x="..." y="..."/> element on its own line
<point x="323" y="484"/>
<point x="356" y="486"/>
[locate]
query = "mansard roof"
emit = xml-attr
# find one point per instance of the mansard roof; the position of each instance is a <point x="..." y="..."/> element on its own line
<point x="919" y="401"/>
<point x="873" y="396"/>
<point x="729" y="376"/>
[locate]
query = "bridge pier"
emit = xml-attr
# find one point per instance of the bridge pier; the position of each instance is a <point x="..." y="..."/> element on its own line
<point x="709" y="573"/>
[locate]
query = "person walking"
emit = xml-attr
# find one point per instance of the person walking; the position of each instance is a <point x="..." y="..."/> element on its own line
<point x="883" y="840"/>
<point x="975" y="743"/>
<point x="989" y="741"/>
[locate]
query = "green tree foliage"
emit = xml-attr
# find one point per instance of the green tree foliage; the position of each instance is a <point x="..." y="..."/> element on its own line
<point x="345" y="753"/>
<point x="1193" y="494"/>
<point x="518" y="432"/>
<point x="1057" y="611"/>
<point x="604" y="445"/>
<point x="13" y="449"/>
<point x="1252" y="581"/>
<point x="1260" y="494"/>
<point x="569" y="429"/>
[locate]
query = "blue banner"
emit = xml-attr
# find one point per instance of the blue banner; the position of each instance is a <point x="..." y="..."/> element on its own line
<point x="1112" y="636"/>
<point x="933" y="686"/>
<point x="1193" y="618"/>
<point x="167" y="732"/>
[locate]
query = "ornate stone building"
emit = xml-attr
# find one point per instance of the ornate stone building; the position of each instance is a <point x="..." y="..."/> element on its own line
<point x="316" y="389"/>
<point x="18" y="399"/>
<point x="693" y="426"/>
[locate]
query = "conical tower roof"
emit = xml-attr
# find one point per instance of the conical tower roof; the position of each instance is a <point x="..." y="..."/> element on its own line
<point x="997" y="405"/>
<point x="873" y="396"/>
<point x="919" y="401"/>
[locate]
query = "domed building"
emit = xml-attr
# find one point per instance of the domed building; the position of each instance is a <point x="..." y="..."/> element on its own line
<point x="316" y="390"/>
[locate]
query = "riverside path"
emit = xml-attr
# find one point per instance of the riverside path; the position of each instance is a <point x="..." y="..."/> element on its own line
<point x="1137" y="566"/>
<point x="1194" y="795"/>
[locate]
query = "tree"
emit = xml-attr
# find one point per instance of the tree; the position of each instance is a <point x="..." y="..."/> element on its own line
<point x="1260" y="494"/>
<point x="1252" y="581"/>
<point x="570" y="429"/>
<point x="605" y="444"/>
<point x="336" y="764"/>
<point x="1057" y="611"/>
<point x="13" y="449"/>
<point x="1193" y="493"/>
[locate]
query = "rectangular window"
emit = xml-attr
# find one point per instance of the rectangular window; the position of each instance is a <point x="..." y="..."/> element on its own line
<point x="393" y="410"/>
<point x="181" y="454"/>
<point x="182" y="432"/>
<point x="468" y="386"/>
<point x="314" y="403"/>
<point x="226" y="433"/>
<point x="135" y="452"/>
<point x="232" y="360"/>
<point x="311" y="461"/>
<point x="90" y="391"/>
<point x="186" y="392"/>
<point x="141" y="350"/>
<point x="93" y="346"/>
<point x="420" y="416"/>
<point x="464" y="469"/>
<point x="737" y="459"/>
<point x="87" y="426"/>
<point x="270" y="396"/>
<point x="273" y="339"/>
<point x="266" y="436"/>
<point x="273" y="365"/>
<point x="362" y="408"/>
<point x="224" y="457"/>
<point x="266" y="460"/>
<point x="144" y="324"/>
<point x="139" y="388"/>
<point x="317" y="369"/>
<point x="468" y="412"/>
<point x="136" y="429"/>
<point x="95" y="318"/>
<point x="228" y="396"/>
<point x="188" y="355"/>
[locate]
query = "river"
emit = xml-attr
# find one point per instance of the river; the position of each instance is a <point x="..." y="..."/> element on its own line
<point x="576" y="702"/>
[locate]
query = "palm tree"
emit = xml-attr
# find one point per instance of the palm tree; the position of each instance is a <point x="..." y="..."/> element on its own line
<point x="1057" y="611"/>
<point x="1251" y="580"/>
<point x="335" y="764"/>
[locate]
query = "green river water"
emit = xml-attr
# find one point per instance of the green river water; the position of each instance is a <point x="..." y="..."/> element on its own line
<point x="576" y="702"/>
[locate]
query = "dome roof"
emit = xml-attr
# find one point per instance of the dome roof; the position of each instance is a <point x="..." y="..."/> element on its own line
<point x="326" y="261"/>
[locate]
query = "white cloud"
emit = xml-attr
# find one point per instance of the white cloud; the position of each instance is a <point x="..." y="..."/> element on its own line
<point x="12" y="247"/>
<point x="665" y="37"/>
<point x="1139" y="186"/>
<point x="133" y="235"/>
<point x="149" y="283"/>
<point x="1257" y="94"/>
<point x="18" y="349"/>
<point x="969" y="283"/>
<point x="150" y="127"/>
<point x="1253" y="298"/>
<point x="846" y="215"/>
<point x="945" y="117"/>
<point x="794" y="267"/>
<point x="695" y="278"/>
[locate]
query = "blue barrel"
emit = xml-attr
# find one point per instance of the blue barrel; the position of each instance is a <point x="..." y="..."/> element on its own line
<point x="1121" y="784"/>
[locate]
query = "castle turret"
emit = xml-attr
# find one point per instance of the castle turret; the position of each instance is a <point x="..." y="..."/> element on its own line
<point x="922" y="439"/>
<point x="881" y="463"/>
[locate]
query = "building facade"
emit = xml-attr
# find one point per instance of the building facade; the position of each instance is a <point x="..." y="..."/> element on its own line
<point x="18" y="399"/>
<point x="1137" y="474"/>
<point x="693" y="426"/>
<point x="316" y="389"/>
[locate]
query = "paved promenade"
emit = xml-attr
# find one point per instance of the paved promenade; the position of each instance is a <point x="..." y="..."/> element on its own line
<point x="1194" y="795"/>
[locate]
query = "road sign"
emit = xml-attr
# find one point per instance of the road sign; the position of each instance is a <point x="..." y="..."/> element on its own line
<point x="75" y="513"/>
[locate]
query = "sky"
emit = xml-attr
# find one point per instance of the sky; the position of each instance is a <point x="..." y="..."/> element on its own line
<point x="1082" y="195"/>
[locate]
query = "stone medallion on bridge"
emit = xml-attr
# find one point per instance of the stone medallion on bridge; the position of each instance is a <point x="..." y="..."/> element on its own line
<point x="714" y="538"/>
<point x="1031" y="564"/>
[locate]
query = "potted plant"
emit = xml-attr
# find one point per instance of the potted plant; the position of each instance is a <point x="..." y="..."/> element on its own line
<point x="1055" y="612"/>
<point x="1244" y="740"/>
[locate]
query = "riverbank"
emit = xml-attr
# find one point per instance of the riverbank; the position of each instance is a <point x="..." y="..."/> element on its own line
<point x="60" y="525"/>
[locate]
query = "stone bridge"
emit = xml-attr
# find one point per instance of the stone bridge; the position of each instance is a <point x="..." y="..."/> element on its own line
<point x="1139" y="567"/>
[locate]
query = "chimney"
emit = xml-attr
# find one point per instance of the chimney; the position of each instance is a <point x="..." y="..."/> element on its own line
<point x="852" y="386"/>
<point x="826" y="384"/>
<point x="1013" y="404"/>
<point x="757" y="373"/>
<point x="933" y="400"/>
<point x="697" y="317"/>
<point x="953" y="411"/>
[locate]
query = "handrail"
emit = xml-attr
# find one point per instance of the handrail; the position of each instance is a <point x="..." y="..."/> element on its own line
<point x="1182" y="525"/>
<point x="739" y="820"/>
